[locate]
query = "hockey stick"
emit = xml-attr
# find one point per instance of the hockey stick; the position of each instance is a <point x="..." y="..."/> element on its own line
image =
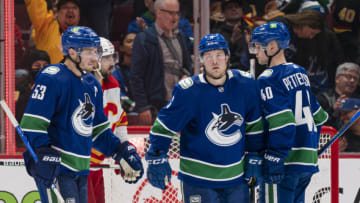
<point x="106" y="166"/>
<point x="252" y="184"/>
<point x="252" y="66"/>
<point x="14" y="122"/>
<point x="340" y="133"/>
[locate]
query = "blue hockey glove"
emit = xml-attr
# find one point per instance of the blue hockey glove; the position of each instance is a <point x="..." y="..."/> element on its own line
<point x="130" y="162"/>
<point x="274" y="170"/>
<point x="159" y="171"/>
<point x="253" y="168"/>
<point x="47" y="168"/>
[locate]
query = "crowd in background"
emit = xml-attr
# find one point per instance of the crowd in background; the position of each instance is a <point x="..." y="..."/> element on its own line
<point x="155" y="46"/>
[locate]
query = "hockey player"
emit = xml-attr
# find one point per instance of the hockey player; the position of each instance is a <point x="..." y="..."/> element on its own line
<point x="219" y="118"/>
<point x="293" y="116"/>
<point x="64" y="119"/>
<point x="117" y="118"/>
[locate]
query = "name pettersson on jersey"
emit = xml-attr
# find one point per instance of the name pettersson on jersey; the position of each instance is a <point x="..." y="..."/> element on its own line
<point x="221" y="130"/>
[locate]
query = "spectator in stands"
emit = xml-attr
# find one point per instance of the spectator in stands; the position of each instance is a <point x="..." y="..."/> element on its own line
<point x="346" y="80"/>
<point x="25" y="82"/>
<point x="313" y="46"/>
<point x="348" y="108"/>
<point x="160" y="58"/>
<point x="97" y="15"/>
<point x="48" y="28"/>
<point x="345" y="20"/>
<point x="233" y="29"/>
<point x="147" y="19"/>
<point x="122" y="72"/>
<point x="293" y="6"/>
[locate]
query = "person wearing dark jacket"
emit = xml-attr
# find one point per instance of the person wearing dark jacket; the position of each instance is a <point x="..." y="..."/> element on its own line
<point x="313" y="46"/>
<point x="160" y="58"/>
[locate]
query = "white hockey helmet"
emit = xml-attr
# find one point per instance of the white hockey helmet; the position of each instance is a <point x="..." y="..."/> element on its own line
<point x="107" y="47"/>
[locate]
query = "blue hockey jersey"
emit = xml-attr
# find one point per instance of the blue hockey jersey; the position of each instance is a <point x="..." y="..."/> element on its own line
<point x="293" y="116"/>
<point x="217" y="124"/>
<point x="66" y="112"/>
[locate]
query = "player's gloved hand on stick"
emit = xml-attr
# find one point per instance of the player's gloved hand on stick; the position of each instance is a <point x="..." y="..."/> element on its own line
<point x="274" y="170"/>
<point x="47" y="168"/>
<point x="130" y="162"/>
<point x="159" y="171"/>
<point x="253" y="168"/>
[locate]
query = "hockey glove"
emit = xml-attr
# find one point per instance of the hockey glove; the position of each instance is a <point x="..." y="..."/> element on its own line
<point x="274" y="170"/>
<point x="130" y="162"/>
<point x="159" y="171"/>
<point x="47" y="168"/>
<point x="253" y="168"/>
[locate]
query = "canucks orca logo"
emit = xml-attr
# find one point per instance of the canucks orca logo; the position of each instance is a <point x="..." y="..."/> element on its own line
<point x="224" y="129"/>
<point x="83" y="117"/>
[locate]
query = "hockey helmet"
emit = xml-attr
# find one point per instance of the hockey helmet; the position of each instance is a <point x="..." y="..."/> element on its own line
<point x="79" y="37"/>
<point x="107" y="47"/>
<point x="108" y="50"/>
<point x="269" y="32"/>
<point x="213" y="42"/>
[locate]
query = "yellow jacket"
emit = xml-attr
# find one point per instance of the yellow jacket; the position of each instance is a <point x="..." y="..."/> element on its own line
<point x="46" y="32"/>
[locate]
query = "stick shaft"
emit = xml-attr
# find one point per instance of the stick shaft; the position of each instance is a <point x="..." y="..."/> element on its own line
<point x="106" y="166"/>
<point x="340" y="133"/>
<point x="14" y="122"/>
<point x="252" y="66"/>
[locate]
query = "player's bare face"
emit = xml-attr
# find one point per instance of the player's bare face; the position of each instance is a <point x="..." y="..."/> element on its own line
<point x="107" y="65"/>
<point x="261" y="57"/>
<point x="69" y="14"/>
<point x="215" y="63"/>
<point x="89" y="58"/>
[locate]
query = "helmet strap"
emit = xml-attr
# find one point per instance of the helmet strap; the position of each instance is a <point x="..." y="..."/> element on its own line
<point x="77" y="65"/>
<point x="270" y="57"/>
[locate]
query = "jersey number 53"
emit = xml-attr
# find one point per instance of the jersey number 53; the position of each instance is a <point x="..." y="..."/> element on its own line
<point x="39" y="92"/>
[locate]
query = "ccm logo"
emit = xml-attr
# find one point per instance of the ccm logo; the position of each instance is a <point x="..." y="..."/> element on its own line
<point x="157" y="161"/>
<point x="271" y="158"/>
<point x="51" y="159"/>
<point x="255" y="162"/>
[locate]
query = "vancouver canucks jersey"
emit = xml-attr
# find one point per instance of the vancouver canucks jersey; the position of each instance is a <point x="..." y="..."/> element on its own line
<point x="217" y="124"/>
<point x="293" y="115"/>
<point x="66" y="112"/>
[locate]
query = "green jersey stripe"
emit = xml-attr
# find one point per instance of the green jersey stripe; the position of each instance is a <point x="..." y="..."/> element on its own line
<point x="270" y="195"/>
<point x="37" y="116"/>
<point x="302" y="156"/>
<point x="97" y="130"/>
<point x="30" y="122"/>
<point x="75" y="162"/>
<point x="254" y="121"/>
<point x="320" y="116"/>
<point x="254" y="127"/>
<point x="210" y="171"/>
<point x="280" y="120"/>
<point x="160" y="129"/>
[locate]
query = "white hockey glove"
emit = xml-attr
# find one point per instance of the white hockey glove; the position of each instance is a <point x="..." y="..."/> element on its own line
<point x="130" y="162"/>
